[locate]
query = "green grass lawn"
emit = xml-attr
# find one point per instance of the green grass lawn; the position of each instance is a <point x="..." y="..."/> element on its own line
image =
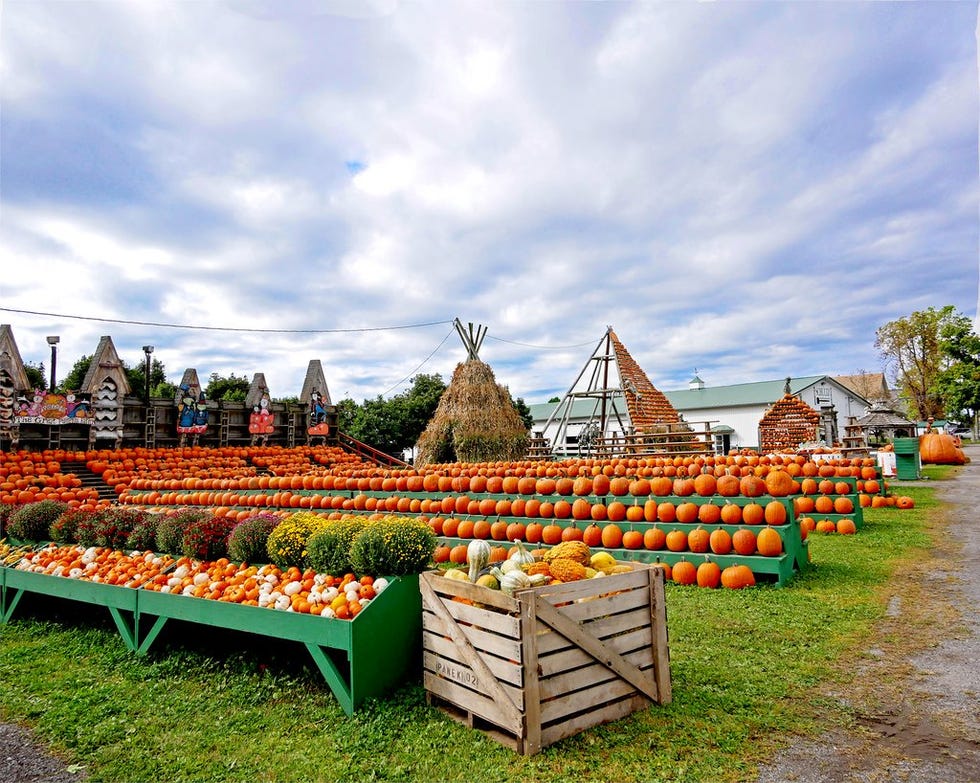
<point x="749" y="669"/>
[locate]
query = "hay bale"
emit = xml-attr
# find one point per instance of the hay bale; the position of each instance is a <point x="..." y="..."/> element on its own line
<point x="475" y="421"/>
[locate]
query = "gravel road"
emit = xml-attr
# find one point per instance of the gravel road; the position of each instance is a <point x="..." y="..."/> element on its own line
<point x="923" y="729"/>
<point x="926" y="727"/>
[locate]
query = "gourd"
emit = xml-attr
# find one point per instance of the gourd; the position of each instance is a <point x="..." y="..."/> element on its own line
<point x="511" y="581"/>
<point x="572" y="550"/>
<point x="478" y="556"/>
<point x="567" y="570"/>
<point x="521" y="556"/>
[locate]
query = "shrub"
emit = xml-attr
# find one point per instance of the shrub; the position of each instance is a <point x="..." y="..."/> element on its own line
<point x="33" y="521"/>
<point x="329" y="550"/>
<point x="170" y="530"/>
<point x="393" y="546"/>
<point x="144" y="533"/>
<point x="287" y="543"/>
<point x="6" y="509"/>
<point x="114" y="525"/>
<point x="87" y="528"/>
<point x="206" y="538"/>
<point x="249" y="539"/>
<point x="64" y="529"/>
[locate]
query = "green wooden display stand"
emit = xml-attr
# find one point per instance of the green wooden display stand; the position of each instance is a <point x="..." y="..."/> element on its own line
<point x="120" y="601"/>
<point x="375" y="651"/>
<point x="380" y="646"/>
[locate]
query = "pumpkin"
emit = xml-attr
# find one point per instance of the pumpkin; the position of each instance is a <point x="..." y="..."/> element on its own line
<point x="720" y="541"/>
<point x="698" y="540"/>
<point x="769" y="543"/>
<point x="728" y="486"/>
<point x="846" y="526"/>
<point x="708" y="574"/>
<point x="592" y="535"/>
<point x="940" y="448"/>
<point x="676" y="540"/>
<point x="632" y="539"/>
<point x="744" y="541"/>
<point x="779" y="483"/>
<point x="775" y="513"/>
<point x="736" y="577"/>
<point x="684" y="572"/>
<point x="612" y="536"/>
<point x="654" y="538"/>
<point x="904" y="501"/>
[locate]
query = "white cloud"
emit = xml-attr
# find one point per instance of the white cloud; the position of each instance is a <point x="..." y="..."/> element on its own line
<point x="748" y="189"/>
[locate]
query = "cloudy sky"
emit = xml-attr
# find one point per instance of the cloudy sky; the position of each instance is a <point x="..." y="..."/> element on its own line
<point x="744" y="189"/>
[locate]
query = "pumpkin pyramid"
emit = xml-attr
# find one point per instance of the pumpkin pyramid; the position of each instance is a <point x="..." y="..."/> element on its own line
<point x="612" y="394"/>
<point x="647" y="406"/>
<point x="788" y="423"/>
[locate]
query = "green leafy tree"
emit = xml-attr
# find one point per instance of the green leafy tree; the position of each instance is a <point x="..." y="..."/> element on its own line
<point x="73" y="379"/>
<point x="958" y="383"/>
<point x="230" y="389"/>
<point x="523" y="411"/>
<point x="346" y="414"/>
<point x="35" y="376"/>
<point x="910" y="348"/>
<point x="392" y="425"/>
<point x="420" y="403"/>
<point x="136" y="375"/>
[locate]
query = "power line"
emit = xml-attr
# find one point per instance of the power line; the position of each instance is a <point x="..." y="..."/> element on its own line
<point x="426" y="359"/>
<point x="542" y="347"/>
<point x="223" y="328"/>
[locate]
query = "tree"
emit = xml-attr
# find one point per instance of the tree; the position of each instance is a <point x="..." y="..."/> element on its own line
<point x="395" y="424"/>
<point x="910" y="348"/>
<point x="524" y="412"/>
<point x="230" y="389"/>
<point x="35" y="376"/>
<point x="958" y="383"/>
<point x="73" y="380"/>
<point x="136" y="375"/>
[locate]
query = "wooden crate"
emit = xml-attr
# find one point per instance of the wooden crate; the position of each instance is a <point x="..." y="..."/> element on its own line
<point x="551" y="661"/>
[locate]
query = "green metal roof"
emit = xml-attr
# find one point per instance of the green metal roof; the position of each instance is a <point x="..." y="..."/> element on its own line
<point x="758" y="393"/>
<point x="582" y="408"/>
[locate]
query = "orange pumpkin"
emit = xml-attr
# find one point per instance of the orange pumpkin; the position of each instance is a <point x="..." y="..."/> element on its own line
<point x="684" y="572"/>
<point x="769" y="543"/>
<point x="736" y="577"/>
<point x="940" y="448"/>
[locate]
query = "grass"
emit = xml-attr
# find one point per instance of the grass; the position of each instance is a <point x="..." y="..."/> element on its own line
<point x="749" y="670"/>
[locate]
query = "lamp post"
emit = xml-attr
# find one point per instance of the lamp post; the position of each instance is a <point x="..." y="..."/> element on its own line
<point x="53" y="342"/>
<point x="147" y="349"/>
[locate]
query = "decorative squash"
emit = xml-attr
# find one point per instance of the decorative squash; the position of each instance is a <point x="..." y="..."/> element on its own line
<point x="573" y="550"/>
<point x="567" y="570"/>
<point x="478" y="556"/>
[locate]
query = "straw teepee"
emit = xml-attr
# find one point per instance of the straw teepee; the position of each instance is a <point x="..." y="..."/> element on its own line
<point x="475" y="421"/>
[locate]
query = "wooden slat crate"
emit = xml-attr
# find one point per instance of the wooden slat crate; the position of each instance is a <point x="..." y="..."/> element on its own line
<point x="551" y="661"/>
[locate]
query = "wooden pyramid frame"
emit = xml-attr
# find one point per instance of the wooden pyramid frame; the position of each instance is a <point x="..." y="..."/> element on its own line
<point x="621" y="393"/>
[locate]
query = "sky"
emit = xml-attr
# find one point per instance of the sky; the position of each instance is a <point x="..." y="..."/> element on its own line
<point x="742" y="190"/>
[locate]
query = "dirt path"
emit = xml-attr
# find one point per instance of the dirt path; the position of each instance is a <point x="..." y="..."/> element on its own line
<point x="917" y="695"/>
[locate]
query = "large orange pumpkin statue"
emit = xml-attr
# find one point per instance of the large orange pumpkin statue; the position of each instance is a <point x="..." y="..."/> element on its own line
<point x="940" y="448"/>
